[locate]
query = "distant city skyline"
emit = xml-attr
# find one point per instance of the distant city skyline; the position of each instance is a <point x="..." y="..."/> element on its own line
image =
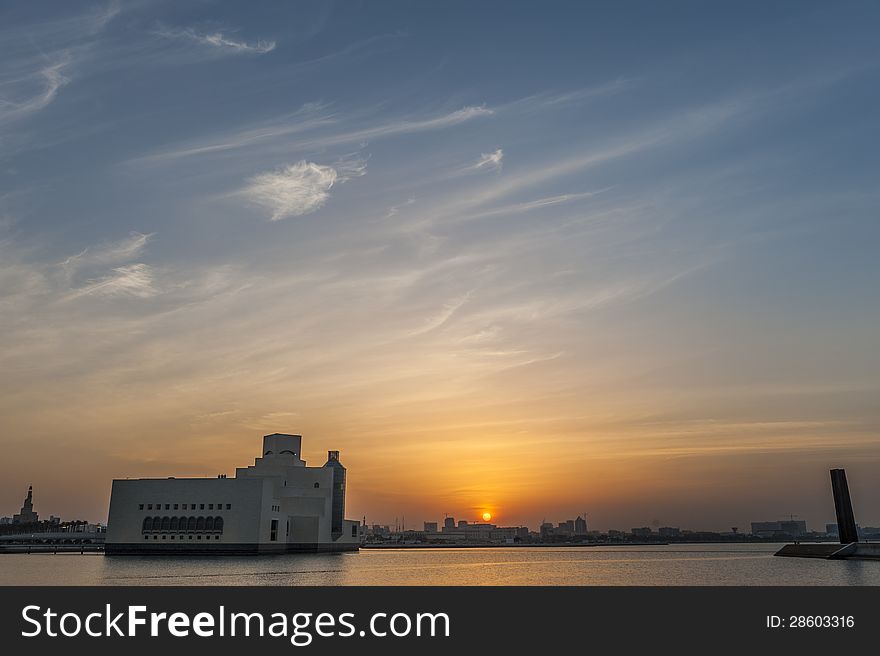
<point x="400" y="523"/>
<point x="531" y="259"/>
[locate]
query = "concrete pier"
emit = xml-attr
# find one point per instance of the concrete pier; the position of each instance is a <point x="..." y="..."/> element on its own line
<point x="832" y="551"/>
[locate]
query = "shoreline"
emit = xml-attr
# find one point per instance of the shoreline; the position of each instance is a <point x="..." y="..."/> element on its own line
<point x="480" y="545"/>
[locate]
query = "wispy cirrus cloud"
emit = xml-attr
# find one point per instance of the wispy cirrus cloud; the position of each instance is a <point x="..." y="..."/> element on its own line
<point x="299" y="188"/>
<point x="395" y="209"/>
<point x="311" y="118"/>
<point x="559" y="99"/>
<point x="530" y="205"/>
<point x="218" y="40"/>
<point x="107" y="253"/>
<point x="21" y="100"/>
<point x="489" y="161"/>
<point x="135" y="280"/>
<point x="443" y="315"/>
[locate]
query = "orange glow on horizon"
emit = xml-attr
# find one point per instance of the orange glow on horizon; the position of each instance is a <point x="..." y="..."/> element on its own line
<point x="487" y="516"/>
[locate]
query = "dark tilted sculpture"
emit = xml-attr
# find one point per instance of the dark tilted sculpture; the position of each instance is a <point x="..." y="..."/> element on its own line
<point x="846" y="521"/>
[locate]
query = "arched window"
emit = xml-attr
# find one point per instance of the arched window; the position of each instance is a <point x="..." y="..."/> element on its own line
<point x="218" y="525"/>
<point x="166" y="523"/>
<point x="175" y="524"/>
<point x="317" y="485"/>
<point x="148" y="524"/>
<point x="200" y="524"/>
<point x="209" y="524"/>
<point x="191" y="524"/>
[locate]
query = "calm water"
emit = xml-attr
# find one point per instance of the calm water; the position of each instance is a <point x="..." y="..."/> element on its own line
<point x="654" y="565"/>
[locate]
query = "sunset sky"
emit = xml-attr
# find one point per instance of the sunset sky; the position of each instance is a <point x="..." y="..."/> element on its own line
<point x="535" y="260"/>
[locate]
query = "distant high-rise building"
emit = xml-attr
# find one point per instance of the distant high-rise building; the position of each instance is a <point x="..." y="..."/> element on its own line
<point x="566" y="527"/>
<point x="462" y="523"/>
<point x="430" y="527"/>
<point x="642" y="532"/>
<point x="449" y="524"/>
<point x="27" y="514"/>
<point x="379" y="530"/>
<point x="831" y="529"/>
<point x="668" y="532"/>
<point x="580" y="526"/>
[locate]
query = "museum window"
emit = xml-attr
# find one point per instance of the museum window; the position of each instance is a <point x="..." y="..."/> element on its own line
<point x="228" y="506"/>
<point x="175" y="506"/>
<point x="184" y="507"/>
<point x="167" y="506"/>
<point x="141" y="507"/>
<point x="210" y="506"/>
<point x="354" y="530"/>
<point x="273" y="531"/>
<point x="317" y="485"/>
<point x="149" y="506"/>
<point x="201" y="506"/>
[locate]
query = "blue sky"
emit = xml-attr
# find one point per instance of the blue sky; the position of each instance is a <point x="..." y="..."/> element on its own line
<point x="462" y="238"/>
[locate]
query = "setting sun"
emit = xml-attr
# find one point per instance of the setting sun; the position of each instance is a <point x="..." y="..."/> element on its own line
<point x="487" y="516"/>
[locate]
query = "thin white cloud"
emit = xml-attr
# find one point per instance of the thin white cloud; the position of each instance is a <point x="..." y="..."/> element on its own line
<point x="309" y="117"/>
<point x="394" y="209"/>
<point x="690" y="125"/>
<point x="103" y="16"/>
<point x="444" y="315"/>
<point x="404" y="127"/>
<point x="130" y="280"/>
<point x="107" y="253"/>
<point x="300" y="188"/>
<point x="218" y="40"/>
<point x="273" y="131"/>
<point x="50" y="80"/>
<point x="489" y="161"/>
<point x="551" y="99"/>
<point x="35" y="59"/>
<point x="528" y="206"/>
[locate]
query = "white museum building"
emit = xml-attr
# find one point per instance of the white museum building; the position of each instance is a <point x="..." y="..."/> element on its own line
<point x="276" y="505"/>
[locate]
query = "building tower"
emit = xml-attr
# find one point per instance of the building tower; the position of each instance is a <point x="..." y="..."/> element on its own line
<point x="27" y="514"/>
<point x="337" y="513"/>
